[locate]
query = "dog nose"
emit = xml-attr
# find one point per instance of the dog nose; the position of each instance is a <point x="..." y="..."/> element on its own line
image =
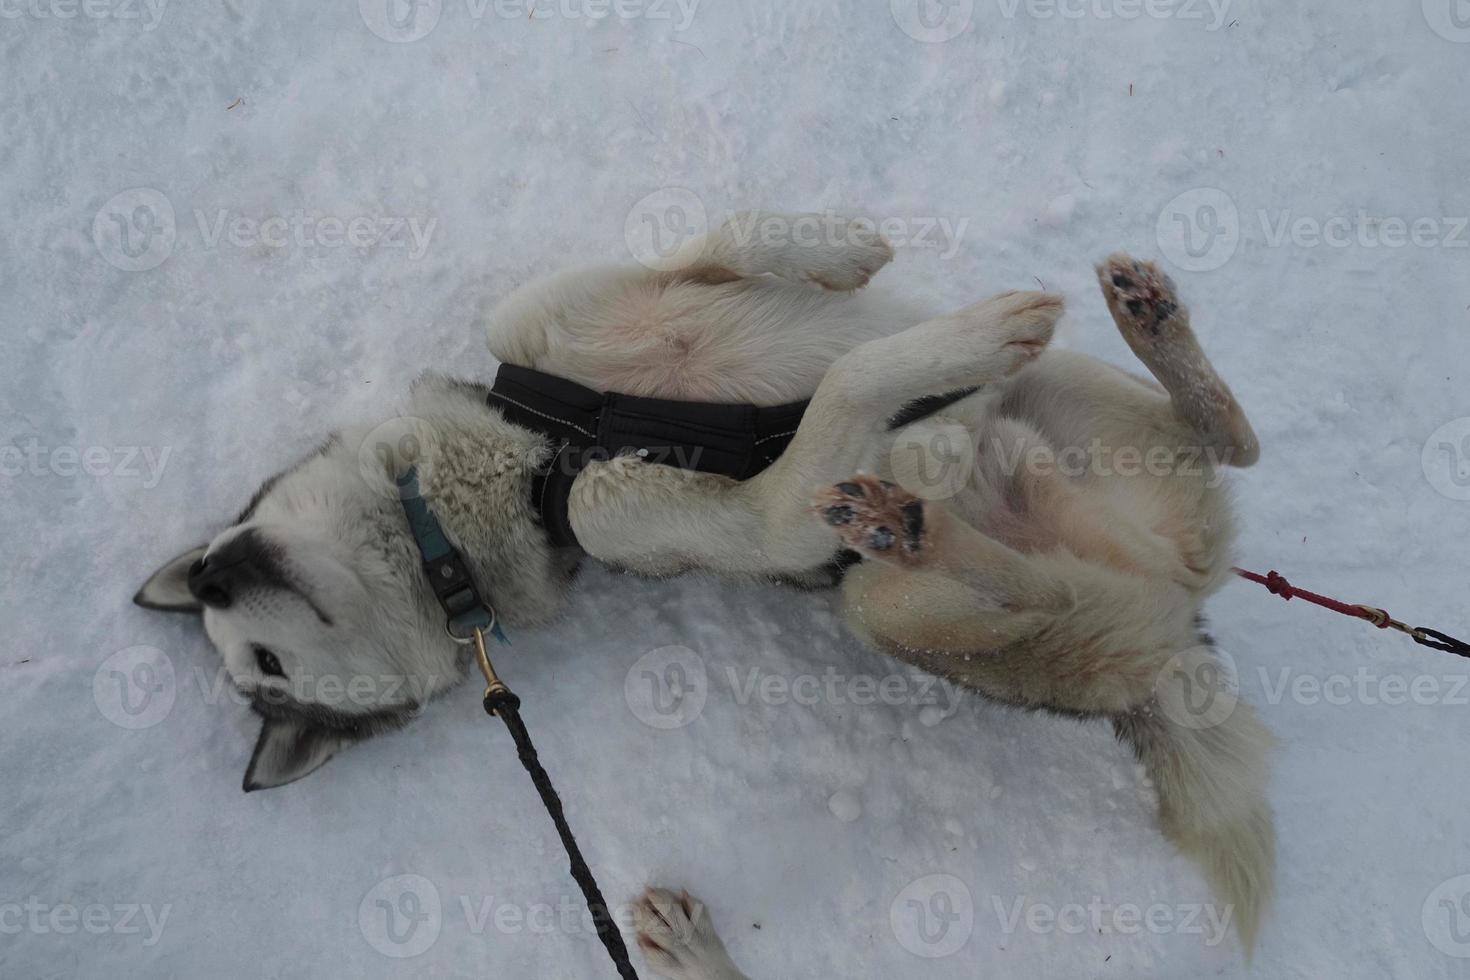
<point x="230" y="570"/>
<point x="213" y="583"/>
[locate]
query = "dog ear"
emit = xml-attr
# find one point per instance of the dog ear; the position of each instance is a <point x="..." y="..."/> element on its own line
<point x="168" y="589"/>
<point x="288" y="750"/>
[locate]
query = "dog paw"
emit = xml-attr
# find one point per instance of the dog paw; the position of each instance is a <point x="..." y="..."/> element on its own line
<point x="862" y="253"/>
<point x="1015" y="326"/>
<point x="678" y="939"/>
<point x="1140" y="295"/>
<point x="876" y="518"/>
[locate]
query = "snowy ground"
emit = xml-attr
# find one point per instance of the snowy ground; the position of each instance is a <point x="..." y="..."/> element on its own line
<point x="157" y="363"/>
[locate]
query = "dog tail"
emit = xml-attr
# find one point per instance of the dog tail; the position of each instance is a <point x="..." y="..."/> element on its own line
<point x="1211" y="781"/>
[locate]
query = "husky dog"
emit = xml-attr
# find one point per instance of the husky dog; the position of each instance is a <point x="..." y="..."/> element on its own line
<point x="1036" y="586"/>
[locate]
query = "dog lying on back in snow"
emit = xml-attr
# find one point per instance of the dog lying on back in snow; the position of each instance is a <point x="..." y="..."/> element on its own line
<point x="1071" y="593"/>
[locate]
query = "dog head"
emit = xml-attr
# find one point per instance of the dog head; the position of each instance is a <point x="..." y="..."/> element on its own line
<point x="315" y="597"/>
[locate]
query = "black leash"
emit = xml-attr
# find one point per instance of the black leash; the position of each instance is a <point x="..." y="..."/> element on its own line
<point x="502" y="703"/>
<point x="468" y="618"/>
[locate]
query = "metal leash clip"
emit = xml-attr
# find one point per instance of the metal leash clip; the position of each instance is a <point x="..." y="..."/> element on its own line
<point x="496" y="693"/>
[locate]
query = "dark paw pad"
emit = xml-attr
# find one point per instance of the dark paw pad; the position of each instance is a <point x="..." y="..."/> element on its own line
<point x="839" y="514"/>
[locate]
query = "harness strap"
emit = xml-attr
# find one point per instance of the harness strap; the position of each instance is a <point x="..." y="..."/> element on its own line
<point x="737" y="441"/>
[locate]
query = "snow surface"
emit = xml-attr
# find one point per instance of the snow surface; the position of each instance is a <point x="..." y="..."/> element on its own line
<point x="528" y="140"/>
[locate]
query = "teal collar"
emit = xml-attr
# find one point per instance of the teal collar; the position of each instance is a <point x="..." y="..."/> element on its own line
<point x="465" y="608"/>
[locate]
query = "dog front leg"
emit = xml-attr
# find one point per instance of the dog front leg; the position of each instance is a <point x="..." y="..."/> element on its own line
<point x="660" y="520"/>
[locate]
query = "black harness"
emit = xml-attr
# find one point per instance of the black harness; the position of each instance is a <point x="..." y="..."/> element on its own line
<point x="586" y="426"/>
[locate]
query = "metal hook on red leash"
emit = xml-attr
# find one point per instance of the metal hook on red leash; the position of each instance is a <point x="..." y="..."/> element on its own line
<point x="1277" y="584"/>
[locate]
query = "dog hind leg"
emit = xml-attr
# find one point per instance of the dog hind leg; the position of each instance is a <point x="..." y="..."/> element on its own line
<point x="1069" y="636"/>
<point x="1155" y="324"/>
<point x="826" y="250"/>
<point x="1039" y="630"/>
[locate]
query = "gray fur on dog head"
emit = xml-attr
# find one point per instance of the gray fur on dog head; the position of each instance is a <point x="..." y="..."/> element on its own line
<point x="315" y="596"/>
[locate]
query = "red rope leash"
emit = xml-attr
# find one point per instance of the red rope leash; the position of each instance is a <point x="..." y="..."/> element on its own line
<point x="1277" y="584"/>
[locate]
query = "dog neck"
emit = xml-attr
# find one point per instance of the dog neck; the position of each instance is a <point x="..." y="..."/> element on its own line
<point x="475" y="474"/>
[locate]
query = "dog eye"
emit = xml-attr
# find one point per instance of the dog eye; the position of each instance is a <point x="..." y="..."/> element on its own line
<point x="268" y="662"/>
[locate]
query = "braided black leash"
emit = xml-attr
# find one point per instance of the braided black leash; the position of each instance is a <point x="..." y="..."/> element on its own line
<point x="502" y="703"/>
<point x="1425" y="636"/>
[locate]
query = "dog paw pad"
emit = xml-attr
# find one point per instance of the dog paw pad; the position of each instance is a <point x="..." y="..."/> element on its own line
<point x="1141" y="295"/>
<point x="876" y="518"/>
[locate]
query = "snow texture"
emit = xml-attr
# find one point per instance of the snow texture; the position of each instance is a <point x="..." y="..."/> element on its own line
<point x="150" y="309"/>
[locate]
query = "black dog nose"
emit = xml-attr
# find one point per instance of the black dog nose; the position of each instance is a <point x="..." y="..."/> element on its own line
<point x="211" y="583"/>
<point x="244" y="562"/>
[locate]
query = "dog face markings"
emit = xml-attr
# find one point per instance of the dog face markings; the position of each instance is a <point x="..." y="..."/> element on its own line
<point x="311" y="616"/>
